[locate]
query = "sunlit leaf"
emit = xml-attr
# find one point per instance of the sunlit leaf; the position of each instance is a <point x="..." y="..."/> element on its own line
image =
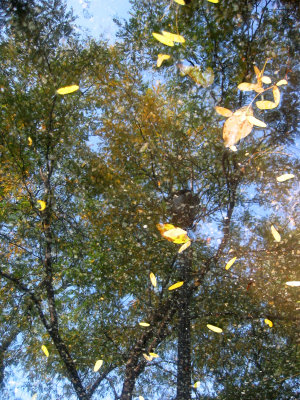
<point x="181" y="2"/>
<point x="173" y="37"/>
<point x="265" y="79"/>
<point x="154" y="355"/>
<point x="230" y="263"/>
<point x="161" y="58"/>
<point x="276" y="94"/>
<point x="293" y="283"/>
<point x="213" y="1"/>
<point x="176" y="285"/>
<point x="214" y="328"/>
<point x="285" y="177"/>
<point x="257" y="72"/>
<point x="268" y="322"/>
<point x="98" y="365"/>
<point x="153" y="279"/>
<point x="45" y="350"/>
<point x="256" y="122"/>
<point x="275" y="234"/>
<point x="173" y="234"/>
<point x="148" y="358"/>
<point x="164" y="227"/>
<point x="196" y="384"/>
<point x="42" y="204"/>
<point x="282" y="82"/>
<point x="34" y="397"/>
<point x="67" y="89"/>
<point x="141" y="397"/>
<point x="184" y="246"/>
<point x="144" y="324"/>
<point x="163" y="39"/>
<point x="246" y="87"/>
<point x="29" y="141"/>
<point x="233" y="148"/>
<point x="237" y="126"/>
<point x="144" y="147"/>
<point x="223" y="111"/>
<point x="265" y="104"/>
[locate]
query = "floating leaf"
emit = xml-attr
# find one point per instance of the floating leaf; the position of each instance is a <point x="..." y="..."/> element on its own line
<point x="176" y="235"/>
<point x="230" y="263"/>
<point x="163" y="39"/>
<point x="282" y="82"/>
<point x="293" y="283"/>
<point x="67" y="89"/>
<point x="237" y="126"/>
<point x="265" y="79"/>
<point x="275" y="234"/>
<point x="29" y="141"/>
<point x="161" y="58"/>
<point x="233" y="148"/>
<point x="173" y="37"/>
<point x="42" y="205"/>
<point x="276" y="94"/>
<point x="223" y="111"/>
<point x="98" y="365"/>
<point x="141" y="397"/>
<point x="45" y="350"/>
<point x="204" y="79"/>
<point x="184" y="246"/>
<point x="285" y="177"/>
<point x="265" y="105"/>
<point x="153" y="279"/>
<point x="246" y="87"/>
<point x="196" y="384"/>
<point x="176" y="285"/>
<point x="148" y="358"/>
<point x="154" y="355"/>
<point x="256" y="122"/>
<point x="214" y="328"/>
<point x="164" y="227"/>
<point x="213" y="1"/>
<point x="144" y="324"/>
<point x="181" y="2"/>
<point x="268" y="322"/>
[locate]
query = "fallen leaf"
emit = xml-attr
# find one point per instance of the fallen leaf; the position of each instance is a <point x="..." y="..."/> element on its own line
<point x="276" y="94"/>
<point x="233" y="148"/>
<point x="275" y="234"/>
<point x="247" y="87"/>
<point x="293" y="283"/>
<point x="29" y="141"/>
<point x="230" y="263"/>
<point x="285" y="177"/>
<point x="213" y="1"/>
<point x="256" y="122"/>
<point x="173" y="37"/>
<point x="265" y="79"/>
<point x="161" y="58"/>
<point x="265" y="105"/>
<point x="214" y="328"/>
<point x="223" y="111"/>
<point x="184" y="246"/>
<point x="144" y="324"/>
<point x="176" y="285"/>
<point x="67" y="89"/>
<point x="153" y="279"/>
<point x="196" y="384"/>
<point x="45" y="350"/>
<point x="268" y="322"/>
<point x="98" y="365"/>
<point x="141" y="397"/>
<point x="42" y="204"/>
<point x="237" y="126"/>
<point x="154" y="355"/>
<point x="148" y="358"/>
<point x="282" y="82"/>
<point x="181" y="2"/>
<point x="163" y="39"/>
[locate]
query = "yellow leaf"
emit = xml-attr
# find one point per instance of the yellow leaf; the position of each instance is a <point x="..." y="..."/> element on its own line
<point x="67" y="89"/>
<point x="275" y="234"/>
<point x="176" y="285"/>
<point x="175" y="234"/>
<point x="153" y="279"/>
<point x="45" y="350"/>
<point x="282" y="82"/>
<point x="148" y="358"/>
<point x="196" y="384"/>
<point x="285" y="177"/>
<point x="233" y="148"/>
<point x="98" y="365"/>
<point x="276" y="94"/>
<point x="161" y="58"/>
<point x="268" y="322"/>
<point x="214" y="328"/>
<point x="223" y="111"/>
<point x="265" y="105"/>
<point x="237" y="126"/>
<point x="163" y="39"/>
<point x="257" y="72"/>
<point x="256" y="122"/>
<point x="184" y="246"/>
<point x="265" y="79"/>
<point x="141" y="397"/>
<point x="181" y="2"/>
<point x="293" y="283"/>
<point x="29" y="141"/>
<point x="230" y="263"/>
<point x="173" y="37"/>
<point x="154" y="355"/>
<point x="42" y="205"/>
<point x="164" y="227"/>
<point x="144" y="324"/>
<point x="246" y="87"/>
<point x="213" y="1"/>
